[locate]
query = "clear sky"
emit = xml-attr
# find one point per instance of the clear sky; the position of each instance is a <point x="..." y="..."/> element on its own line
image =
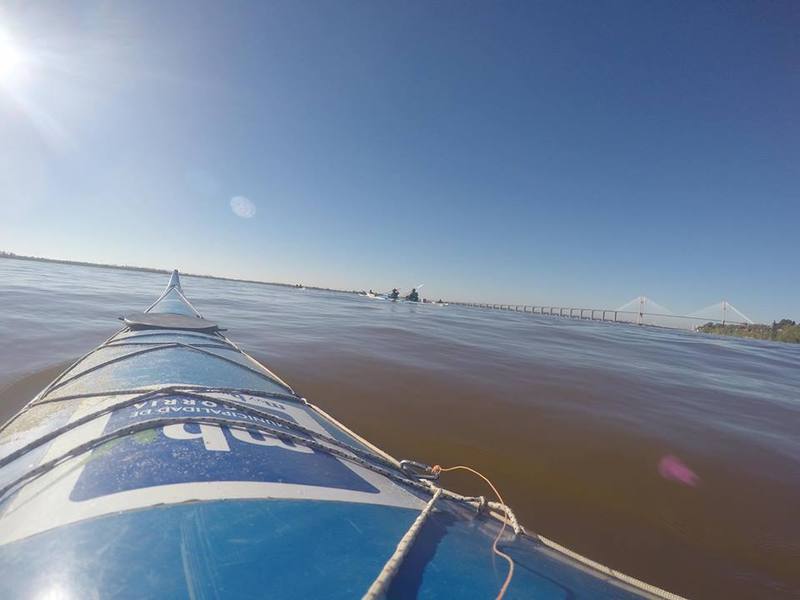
<point x="577" y="153"/>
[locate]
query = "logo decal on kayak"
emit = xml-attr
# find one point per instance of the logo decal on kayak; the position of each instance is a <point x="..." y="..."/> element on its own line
<point x="194" y="452"/>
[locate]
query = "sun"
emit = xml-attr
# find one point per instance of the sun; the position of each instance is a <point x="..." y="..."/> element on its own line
<point x="12" y="60"/>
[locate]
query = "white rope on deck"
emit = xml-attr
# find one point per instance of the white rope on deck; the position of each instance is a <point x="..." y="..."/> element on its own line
<point x="499" y="510"/>
<point x="382" y="582"/>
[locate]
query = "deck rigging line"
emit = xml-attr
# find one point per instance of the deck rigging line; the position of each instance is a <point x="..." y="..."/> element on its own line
<point x="169" y="391"/>
<point x="384" y="579"/>
<point x="315" y="441"/>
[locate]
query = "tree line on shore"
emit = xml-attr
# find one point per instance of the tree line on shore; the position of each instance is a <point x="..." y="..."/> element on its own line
<point x="784" y="330"/>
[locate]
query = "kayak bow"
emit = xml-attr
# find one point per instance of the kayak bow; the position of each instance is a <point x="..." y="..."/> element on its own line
<point x="169" y="463"/>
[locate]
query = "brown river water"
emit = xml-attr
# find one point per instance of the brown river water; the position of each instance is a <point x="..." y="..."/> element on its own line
<point x="570" y="419"/>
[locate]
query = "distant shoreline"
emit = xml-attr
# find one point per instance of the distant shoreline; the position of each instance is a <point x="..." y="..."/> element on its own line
<point x="785" y="331"/>
<point x="80" y="263"/>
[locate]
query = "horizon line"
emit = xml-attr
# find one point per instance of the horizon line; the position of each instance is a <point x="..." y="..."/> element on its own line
<point x="12" y="255"/>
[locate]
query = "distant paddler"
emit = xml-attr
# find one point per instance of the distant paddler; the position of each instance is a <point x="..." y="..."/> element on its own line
<point x="394" y="295"/>
<point x="414" y="295"/>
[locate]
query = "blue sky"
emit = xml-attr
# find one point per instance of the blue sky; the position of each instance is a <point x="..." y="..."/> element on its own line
<point x="575" y="153"/>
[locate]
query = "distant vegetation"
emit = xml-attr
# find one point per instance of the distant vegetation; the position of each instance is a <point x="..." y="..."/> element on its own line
<point x="4" y="254"/>
<point x="784" y="330"/>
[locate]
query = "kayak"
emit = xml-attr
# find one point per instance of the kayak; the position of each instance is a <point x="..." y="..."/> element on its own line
<point x="169" y="463"/>
<point x="372" y="296"/>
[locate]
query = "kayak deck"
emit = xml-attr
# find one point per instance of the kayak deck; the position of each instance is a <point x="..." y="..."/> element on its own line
<point x="169" y="463"/>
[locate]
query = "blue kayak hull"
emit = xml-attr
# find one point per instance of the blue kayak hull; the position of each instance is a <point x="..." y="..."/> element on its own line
<point x="167" y="463"/>
<point x="278" y="548"/>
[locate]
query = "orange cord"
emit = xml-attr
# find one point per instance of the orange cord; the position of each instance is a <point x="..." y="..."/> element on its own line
<point x="436" y="469"/>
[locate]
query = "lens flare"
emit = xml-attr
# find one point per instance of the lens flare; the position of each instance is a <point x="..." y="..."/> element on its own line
<point x="243" y="207"/>
<point x="673" y="469"/>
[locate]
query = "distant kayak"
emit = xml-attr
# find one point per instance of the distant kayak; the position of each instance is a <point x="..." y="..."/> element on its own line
<point x="372" y="296"/>
<point x="169" y="463"/>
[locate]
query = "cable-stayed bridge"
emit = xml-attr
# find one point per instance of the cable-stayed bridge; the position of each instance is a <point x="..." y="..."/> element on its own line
<point x="640" y="311"/>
